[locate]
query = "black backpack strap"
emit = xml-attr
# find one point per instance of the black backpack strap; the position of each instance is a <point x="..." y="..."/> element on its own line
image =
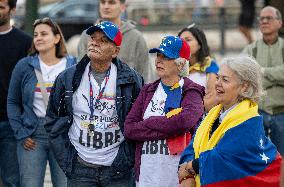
<point x="254" y="50"/>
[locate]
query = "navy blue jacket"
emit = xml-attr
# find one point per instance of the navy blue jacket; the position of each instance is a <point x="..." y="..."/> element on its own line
<point x="23" y="82"/>
<point x="59" y="113"/>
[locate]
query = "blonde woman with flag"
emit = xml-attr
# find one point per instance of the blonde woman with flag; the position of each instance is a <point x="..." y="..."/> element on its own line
<point x="230" y="147"/>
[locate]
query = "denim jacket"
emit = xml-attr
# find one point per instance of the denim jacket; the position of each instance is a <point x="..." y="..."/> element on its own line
<point x="60" y="112"/>
<point x="22" y="86"/>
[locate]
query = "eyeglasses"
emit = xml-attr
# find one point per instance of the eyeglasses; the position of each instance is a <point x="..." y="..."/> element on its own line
<point x="268" y="18"/>
<point x="47" y="21"/>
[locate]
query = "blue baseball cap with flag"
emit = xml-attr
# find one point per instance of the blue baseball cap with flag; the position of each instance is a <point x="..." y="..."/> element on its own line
<point x="173" y="47"/>
<point x="110" y="29"/>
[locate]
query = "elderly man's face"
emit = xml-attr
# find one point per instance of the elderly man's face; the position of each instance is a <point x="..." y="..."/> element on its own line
<point x="228" y="87"/>
<point x="269" y="23"/>
<point x="166" y="67"/>
<point x="100" y="48"/>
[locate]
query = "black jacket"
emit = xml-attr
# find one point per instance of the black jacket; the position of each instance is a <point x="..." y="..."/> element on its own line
<point x="59" y="112"/>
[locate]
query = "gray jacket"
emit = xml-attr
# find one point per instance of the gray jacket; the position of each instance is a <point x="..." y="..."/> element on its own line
<point x="133" y="50"/>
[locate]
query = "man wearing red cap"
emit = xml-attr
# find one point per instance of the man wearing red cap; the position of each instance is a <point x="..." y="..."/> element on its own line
<point x="87" y="110"/>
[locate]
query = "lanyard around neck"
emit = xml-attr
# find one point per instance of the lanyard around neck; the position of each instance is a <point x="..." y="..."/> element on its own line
<point x="100" y="95"/>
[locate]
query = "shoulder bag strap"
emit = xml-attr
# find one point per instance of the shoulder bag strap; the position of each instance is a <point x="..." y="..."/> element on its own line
<point x="254" y="50"/>
<point x="283" y="52"/>
<point x="42" y="87"/>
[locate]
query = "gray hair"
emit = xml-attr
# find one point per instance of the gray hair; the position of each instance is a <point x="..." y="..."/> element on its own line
<point x="185" y="69"/>
<point x="277" y="12"/>
<point x="247" y="70"/>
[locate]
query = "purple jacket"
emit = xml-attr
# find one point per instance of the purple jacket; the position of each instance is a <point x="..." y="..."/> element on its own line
<point x="160" y="127"/>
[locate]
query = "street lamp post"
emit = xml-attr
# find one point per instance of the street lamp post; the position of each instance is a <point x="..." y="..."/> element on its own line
<point x="31" y="15"/>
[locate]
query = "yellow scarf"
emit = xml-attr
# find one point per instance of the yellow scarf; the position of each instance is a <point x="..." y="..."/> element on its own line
<point x="242" y="112"/>
<point x="199" y="67"/>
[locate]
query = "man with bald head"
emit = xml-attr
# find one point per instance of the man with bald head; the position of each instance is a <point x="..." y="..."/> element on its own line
<point x="269" y="53"/>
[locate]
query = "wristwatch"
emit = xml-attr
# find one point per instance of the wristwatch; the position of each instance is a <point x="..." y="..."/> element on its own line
<point x="190" y="171"/>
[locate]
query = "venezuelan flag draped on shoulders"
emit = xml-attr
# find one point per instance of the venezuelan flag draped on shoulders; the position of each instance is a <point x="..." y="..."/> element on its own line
<point x="209" y="66"/>
<point x="238" y="153"/>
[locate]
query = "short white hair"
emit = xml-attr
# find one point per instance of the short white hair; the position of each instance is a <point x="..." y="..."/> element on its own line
<point x="247" y="70"/>
<point x="185" y="70"/>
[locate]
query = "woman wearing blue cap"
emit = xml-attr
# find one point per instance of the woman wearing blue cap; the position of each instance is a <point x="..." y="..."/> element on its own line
<point x="164" y="116"/>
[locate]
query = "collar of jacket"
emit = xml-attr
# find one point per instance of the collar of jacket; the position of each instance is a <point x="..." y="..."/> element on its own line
<point x="34" y="61"/>
<point x="124" y="75"/>
<point x="188" y="84"/>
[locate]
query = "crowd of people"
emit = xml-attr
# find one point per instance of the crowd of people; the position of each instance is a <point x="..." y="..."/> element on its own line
<point x="97" y="123"/>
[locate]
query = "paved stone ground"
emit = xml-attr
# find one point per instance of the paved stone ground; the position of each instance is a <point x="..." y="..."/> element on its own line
<point x="233" y="39"/>
<point x="47" y="179"/>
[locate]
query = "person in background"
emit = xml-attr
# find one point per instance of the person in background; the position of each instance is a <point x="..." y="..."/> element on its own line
<point x="133" y="50"/>
<point x="28" y="95"/>
<point x="279" y="4"/>
<point x="230" y="147"/>
<point x="14" y="45"/>
<point x="164" y="116"/>
<point x="246" y="19"/>
<point x="87" y="110"/>
<point x="269" y="53"/>
<point x="203" y="69"/>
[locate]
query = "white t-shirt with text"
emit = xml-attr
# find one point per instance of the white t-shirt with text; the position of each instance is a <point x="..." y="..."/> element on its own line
<point x="158" y="168"/>
<point x="100" y="148"/>
<point x="49" y="74"/>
